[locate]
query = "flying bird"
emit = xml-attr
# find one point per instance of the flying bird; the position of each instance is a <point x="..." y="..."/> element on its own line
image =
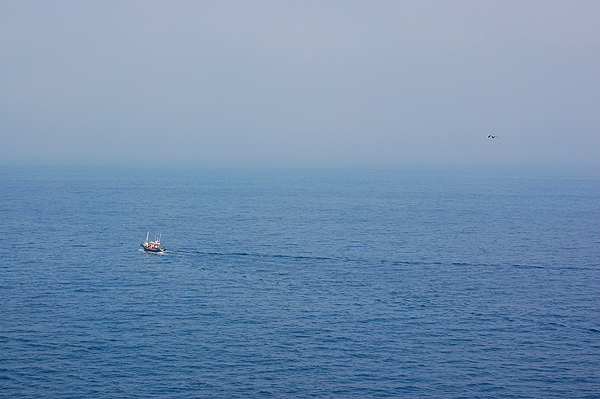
<point x="492" y="137"/>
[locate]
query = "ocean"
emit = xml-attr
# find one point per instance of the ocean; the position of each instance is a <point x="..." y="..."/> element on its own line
<point x="392" y="282"/>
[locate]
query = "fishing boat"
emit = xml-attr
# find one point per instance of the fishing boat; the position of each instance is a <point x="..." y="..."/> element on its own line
<point x="152" y="246"/>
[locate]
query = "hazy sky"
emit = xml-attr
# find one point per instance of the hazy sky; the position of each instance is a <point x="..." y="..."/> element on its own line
<point x="300" y="82"/>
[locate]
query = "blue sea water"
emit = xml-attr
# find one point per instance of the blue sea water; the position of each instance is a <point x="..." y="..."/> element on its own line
<point x="300" y="283"/>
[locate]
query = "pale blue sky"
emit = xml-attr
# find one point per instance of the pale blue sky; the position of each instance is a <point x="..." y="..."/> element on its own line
<point x="300" y="83"/>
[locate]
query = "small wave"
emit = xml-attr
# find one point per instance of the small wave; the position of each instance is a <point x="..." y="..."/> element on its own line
<point x="410" y="263"/>
<point x="519" y="266"/>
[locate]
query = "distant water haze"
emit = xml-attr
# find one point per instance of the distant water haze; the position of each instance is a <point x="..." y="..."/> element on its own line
<point x="308" y="83"/>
